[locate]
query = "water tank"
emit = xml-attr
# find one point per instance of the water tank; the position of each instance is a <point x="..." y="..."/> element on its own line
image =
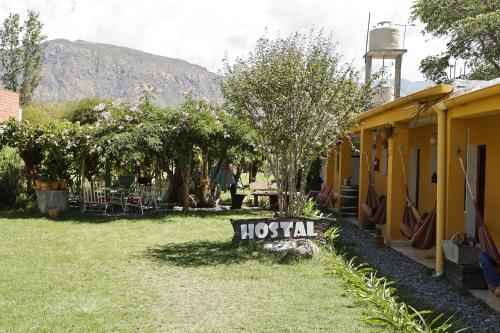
<point x="384" y="36"/>
<point x="383" y="94"/>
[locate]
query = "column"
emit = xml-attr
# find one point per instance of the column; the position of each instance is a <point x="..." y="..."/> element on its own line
<point x="441" y="191"/>
<point x="395" y="181"/>
<point x="365" y="148"/>
<point x="397" y="77"/>
<point x="368" y="68"/>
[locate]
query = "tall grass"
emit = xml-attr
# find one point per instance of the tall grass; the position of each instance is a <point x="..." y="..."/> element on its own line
<point x="363" y="283"/>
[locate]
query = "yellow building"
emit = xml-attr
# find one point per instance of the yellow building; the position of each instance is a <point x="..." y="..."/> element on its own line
<point x="415" y="138"/>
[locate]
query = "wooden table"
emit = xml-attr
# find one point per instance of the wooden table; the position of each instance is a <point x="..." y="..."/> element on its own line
<point x="273" y="198"/>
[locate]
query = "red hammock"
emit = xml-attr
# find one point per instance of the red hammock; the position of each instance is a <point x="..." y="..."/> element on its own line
<point x="486" y="242"/>
<point x="375" y="207"/>
<point x="420" y="230"/>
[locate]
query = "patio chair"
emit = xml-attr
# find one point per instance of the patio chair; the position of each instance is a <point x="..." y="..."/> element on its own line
<point x="323" y="197"/>
<point x="161" y="195"/>
<point x="94" y="197"/>
<point x="143" y="198"/>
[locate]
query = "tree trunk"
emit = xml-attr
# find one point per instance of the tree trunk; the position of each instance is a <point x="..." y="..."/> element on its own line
<point x="204" y="193"/>
<point x="176" y="184"/>
<point x="253" y="172"/>
<point x="186" y="179"/>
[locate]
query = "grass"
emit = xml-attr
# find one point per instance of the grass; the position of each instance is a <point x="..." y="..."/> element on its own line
<point x="176" y="273"/>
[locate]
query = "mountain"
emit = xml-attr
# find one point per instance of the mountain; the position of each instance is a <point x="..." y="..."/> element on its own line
<point x="79" y="69"/>
<point x="409" y="87"/>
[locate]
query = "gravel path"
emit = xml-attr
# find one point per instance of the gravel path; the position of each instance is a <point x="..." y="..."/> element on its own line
<point x="433" y="293"/>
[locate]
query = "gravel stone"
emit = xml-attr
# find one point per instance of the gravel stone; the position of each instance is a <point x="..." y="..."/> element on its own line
<point x="435" y="293"/>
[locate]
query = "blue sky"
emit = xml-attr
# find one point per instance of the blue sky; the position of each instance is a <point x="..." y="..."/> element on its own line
<point x="204" y="32"/>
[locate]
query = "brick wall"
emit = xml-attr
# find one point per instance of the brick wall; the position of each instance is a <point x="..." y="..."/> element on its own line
<point x="9" y="105"/>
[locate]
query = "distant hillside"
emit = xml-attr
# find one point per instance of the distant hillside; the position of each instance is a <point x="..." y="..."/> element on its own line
<point x="74" y="70"/>
<point x="409" y="87"/>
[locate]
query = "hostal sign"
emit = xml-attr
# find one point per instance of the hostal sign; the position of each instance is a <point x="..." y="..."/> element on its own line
<point x="259" y="229"/>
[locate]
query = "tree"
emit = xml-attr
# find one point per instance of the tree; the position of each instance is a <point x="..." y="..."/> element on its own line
<point x="10" y="52"/>
<point x="473" y="31"/>
<point x="299" y="98"/>
<point x="32" y="57"/>
<point x="21" y="56"/>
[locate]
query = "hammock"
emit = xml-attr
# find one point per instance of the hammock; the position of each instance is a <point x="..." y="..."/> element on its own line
<point x="375" y="207"/>
<point x="420" y="230"/>
<point x="486" y="242"/>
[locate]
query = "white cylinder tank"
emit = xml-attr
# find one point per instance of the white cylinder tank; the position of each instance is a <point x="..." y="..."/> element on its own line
<point x="383" y="94"/>
<point x="384" y="36"/>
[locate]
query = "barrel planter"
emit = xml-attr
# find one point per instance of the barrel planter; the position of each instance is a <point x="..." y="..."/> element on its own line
<point x="52" y="199"/>
<point x="349" y="198"/>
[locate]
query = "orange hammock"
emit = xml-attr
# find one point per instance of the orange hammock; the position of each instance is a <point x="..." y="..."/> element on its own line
<point x="375" y="207"/>
<point x="486" y="242"/>
<point x="420" y="230"/>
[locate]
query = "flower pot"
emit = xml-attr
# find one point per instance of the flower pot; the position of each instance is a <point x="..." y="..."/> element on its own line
<point x="44" y="186"/>
<point x="53" y="213"/>
<point x="62" y="184"/>
<point x="237" y="200"/>
<point x="54" y="185"/>
<point x="38" y="184"/>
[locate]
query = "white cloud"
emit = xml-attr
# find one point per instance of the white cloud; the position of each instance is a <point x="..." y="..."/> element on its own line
<point x="203" y="32"/>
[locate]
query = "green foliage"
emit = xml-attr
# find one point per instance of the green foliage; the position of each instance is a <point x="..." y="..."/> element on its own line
<point x="125" y="138"/>
<point x="311" y="210"/>
<point x="45" y="113"/>
<point x="472" y="30"/>
<point x="12" y="178"/>
<point x="21" y="56"/>
<point x="264" y="202"/>
<point x="82" y="111"/>
<point x="387" y="309"/>
<point x="32" y="57"/>
<point x="10" y="52"/>
<point x="435" y="68"/>
<point x="297" y="97"/>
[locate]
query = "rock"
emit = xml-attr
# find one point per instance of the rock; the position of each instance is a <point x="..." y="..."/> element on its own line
<point x="298" y="247"/>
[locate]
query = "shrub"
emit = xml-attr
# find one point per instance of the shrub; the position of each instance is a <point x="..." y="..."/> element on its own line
<point x="311" y="210"/>
<point x="362" y="282"/>
<point x="264" y="202"/>
<point x="82" y="111"/>
<point x="12" y="178"/>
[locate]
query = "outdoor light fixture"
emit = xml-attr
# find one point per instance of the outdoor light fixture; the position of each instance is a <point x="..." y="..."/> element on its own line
<point x="434" y="139"/>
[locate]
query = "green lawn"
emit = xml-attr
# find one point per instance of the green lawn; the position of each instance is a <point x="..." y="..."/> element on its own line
<point x="176" y="273"/>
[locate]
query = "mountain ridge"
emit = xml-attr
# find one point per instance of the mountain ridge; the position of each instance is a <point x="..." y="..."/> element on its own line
<point x="79" y="69"/>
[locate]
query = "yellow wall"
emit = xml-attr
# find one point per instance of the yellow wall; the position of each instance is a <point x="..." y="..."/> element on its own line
<point x="420" y="139"/>
<point x="482" y="130"/>
<point x="380" y="179"/>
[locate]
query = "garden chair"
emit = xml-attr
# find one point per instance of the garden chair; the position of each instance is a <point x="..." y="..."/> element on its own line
<point x="94" y="197"/>
<point x="323" y="197"/>
<point x="143" y="198"/>
<point x="161" y="195"/>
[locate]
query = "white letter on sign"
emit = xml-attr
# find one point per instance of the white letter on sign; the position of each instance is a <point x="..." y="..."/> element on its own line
<point x="300" y="230"/>
<point x="273" y="226"/>
<point x="246" y="231"/>
<point x="261" y="230"/>
<point x="310" y="229"/>
<point x="286" y="226"/>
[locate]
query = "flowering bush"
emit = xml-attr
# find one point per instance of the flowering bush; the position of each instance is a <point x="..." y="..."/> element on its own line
<point x="120" y="138"/>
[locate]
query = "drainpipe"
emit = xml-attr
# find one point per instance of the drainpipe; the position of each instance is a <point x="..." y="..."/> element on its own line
<point x="441" y="187"/>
